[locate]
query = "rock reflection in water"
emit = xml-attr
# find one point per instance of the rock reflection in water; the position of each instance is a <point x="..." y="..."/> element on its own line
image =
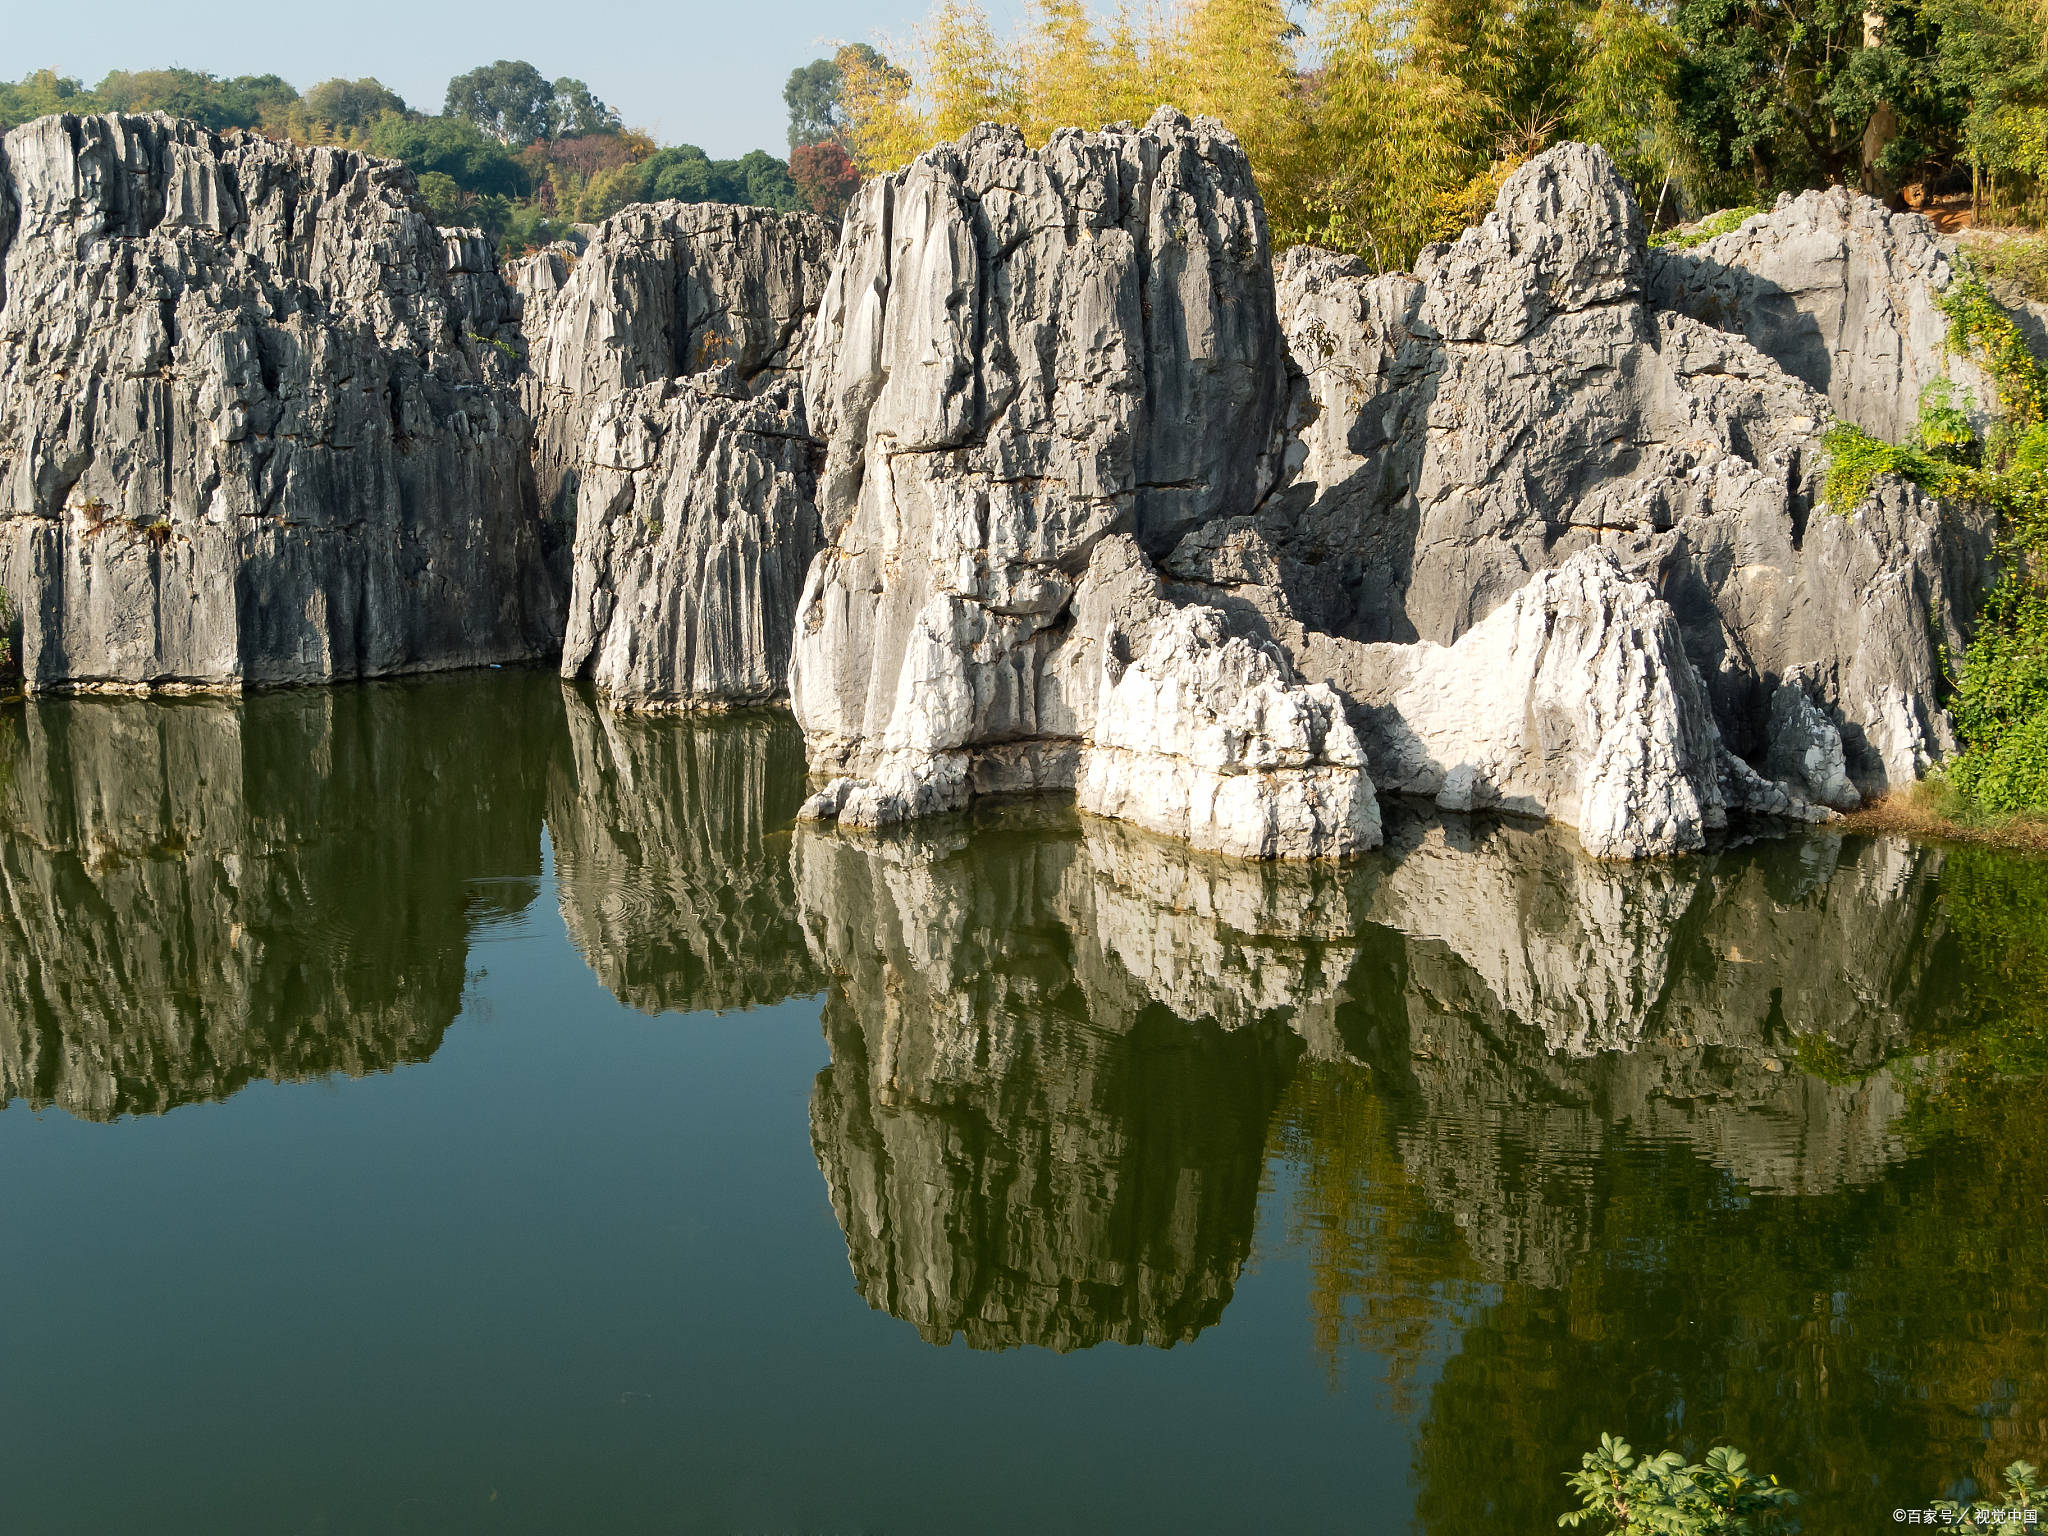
<point x="671" y="839"/>
<point x="1057" y="1048"/>
<point x="194" y="894"/>
<point x="1023" y="1143"/>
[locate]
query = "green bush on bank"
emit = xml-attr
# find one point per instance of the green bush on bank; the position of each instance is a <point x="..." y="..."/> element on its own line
<point x="2000" y="698"/>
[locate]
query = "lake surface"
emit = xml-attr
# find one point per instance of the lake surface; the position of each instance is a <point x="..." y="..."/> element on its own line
<point x="445" y="1106"/>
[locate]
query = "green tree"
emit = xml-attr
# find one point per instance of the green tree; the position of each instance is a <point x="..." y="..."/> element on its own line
<point x="343" y="107"/>
<point x="576" y="111"/>
<point x="452" y="147"/>
<point x="509" y="100"/>
<point x="237" y="103"/>
<point x="39" y="95"/>
<point x="812" y="96"/>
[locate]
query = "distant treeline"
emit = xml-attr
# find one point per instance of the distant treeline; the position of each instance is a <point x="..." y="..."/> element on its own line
<point x="510" y="150"/>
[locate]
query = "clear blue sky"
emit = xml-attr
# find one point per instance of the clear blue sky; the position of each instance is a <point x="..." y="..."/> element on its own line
<point x="687" y="71"/>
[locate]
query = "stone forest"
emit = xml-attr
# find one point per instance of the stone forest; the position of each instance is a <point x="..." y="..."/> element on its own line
<point x="1330" y="822"/>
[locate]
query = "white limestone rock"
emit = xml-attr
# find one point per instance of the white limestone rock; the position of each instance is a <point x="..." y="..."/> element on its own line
<point x="657" y="291"/>
<point x="1531" y="394"/>
<point x="1572" y="701"/>
<point x="1020" y="352"/>
<point x="1211" y="737"/>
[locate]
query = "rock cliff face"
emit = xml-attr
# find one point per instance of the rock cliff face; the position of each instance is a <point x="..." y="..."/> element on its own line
<point x="672" y="857"/>
<point x="1020" y="353"/>
<point x="1840" y="292"/>
<point x="1524" y="397"/>
<point x="695" y="526"/>
<point x="248" y="433"/>
<point x="659" y="291"/>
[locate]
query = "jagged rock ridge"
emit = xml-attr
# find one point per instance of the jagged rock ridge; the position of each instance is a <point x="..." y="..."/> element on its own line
<point x="250" y="432"/>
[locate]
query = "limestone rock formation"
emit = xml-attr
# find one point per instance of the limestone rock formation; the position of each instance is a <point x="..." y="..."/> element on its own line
<point x="1572" y="701"/>
<point x="695" y="527"/>
<point x="672" y="856"/>
<point x="1522" y="398"/>
<point x="1209" y="735"/>
<point x="1838" y="290"/>
<point x="1020" y="353"/>
<point x="247" y="434"/>
<point x="658" y="291"/>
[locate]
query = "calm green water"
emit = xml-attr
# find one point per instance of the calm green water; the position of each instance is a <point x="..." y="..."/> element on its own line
<point x="446" y="1107"/>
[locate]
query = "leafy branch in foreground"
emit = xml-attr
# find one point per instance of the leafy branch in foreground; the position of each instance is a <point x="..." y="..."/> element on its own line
<point x="1620" y="1495"/>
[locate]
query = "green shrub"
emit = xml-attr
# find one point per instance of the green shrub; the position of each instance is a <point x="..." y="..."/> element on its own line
<point x="1684" y="237"/>
<point x="1621" y="1496"/>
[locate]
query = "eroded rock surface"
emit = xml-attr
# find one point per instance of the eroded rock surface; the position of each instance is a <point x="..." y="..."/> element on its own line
<point x="1020" y="353"/>
<point x="659" y="291"/>
<point x="1522" y="398"/>
<point x="253" y="428"/>
<point x="695" y="527"/>
<point x="1841" y="292"/>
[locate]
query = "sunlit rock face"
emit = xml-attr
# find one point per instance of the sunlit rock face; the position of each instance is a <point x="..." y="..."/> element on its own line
<point x="1020" y="353"/>
<point x="672" y="861"/>
<point x="1023" y="1143"/>
<point x="1539" y="386"/>
<point x="1841" y="292"/>
<point x="658" y="291"/>
<point x="195" y="895"/>
<point x="255" y="423"/>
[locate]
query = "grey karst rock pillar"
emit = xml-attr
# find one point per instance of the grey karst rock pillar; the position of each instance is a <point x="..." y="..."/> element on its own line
<point x="1841" y="292"/>
<point x="672" y="856"/>
<point x="1524" y="397"/>
<point x="695" y="527"/>
<point x="657" y="291"/>
<point x="255" y="423"/>
<point x="1020" y="354"/>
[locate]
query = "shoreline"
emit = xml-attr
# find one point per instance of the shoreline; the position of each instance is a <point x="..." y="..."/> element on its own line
<point x="1907" y="813"/>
